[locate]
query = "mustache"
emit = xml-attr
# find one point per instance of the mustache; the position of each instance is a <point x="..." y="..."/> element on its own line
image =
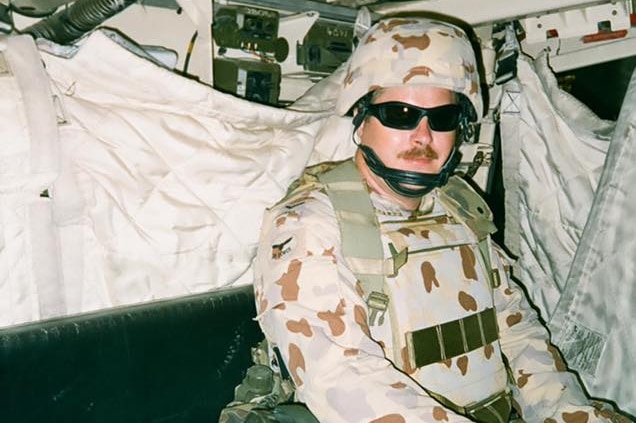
<point x="415" y="153"/>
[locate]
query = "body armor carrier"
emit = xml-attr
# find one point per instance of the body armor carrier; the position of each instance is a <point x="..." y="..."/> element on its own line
<point x="363" y="250"/>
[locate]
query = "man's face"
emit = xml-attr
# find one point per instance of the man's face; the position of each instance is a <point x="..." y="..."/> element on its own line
<point x="420" y="149"/>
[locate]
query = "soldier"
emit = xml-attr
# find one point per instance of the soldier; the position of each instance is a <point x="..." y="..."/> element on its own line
<point x="377" y="285"/>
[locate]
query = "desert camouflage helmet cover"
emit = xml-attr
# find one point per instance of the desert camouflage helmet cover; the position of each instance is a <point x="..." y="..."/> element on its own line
<point x="411" y="51"/>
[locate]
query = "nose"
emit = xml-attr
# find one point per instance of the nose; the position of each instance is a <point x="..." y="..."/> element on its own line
<point x="421" y="134"/>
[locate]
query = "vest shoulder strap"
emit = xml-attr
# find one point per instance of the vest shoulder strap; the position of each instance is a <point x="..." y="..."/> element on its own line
<point x="360" y="234"/>
<point x="470" y="209"/>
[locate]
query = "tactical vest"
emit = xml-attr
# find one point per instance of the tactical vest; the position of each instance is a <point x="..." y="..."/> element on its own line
<point x="363" y="250"/>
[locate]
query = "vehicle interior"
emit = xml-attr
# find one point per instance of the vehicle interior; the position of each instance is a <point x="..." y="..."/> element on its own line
<point x="144" y="140"/>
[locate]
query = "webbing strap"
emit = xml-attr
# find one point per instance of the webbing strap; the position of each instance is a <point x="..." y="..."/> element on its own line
<point x="451" y="339"/>
<point x="354" y="210"/>
<point x="359" y="229"/>
<point x="511" y="105"/>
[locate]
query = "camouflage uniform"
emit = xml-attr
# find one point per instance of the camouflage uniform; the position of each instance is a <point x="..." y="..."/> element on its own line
<point x="312" y="307"/>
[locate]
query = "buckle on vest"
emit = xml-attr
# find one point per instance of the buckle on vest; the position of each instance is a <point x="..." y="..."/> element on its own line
<point x="378" y="303"/>
<point x="496" y="278"/>
<point x="399" y="259"/>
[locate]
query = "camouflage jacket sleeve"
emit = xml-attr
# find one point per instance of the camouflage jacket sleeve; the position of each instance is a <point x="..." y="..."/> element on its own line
<point x="309" y="307"/>
<point x="544" y="390"/>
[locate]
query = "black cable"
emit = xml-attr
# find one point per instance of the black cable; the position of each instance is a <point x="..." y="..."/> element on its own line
<point x="72" y="22"/>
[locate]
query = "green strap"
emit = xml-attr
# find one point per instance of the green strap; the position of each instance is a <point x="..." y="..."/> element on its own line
<point x="359" y="229"/>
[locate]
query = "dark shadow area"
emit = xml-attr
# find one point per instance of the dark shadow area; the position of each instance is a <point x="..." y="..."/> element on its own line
<point x="168" y="361"/>
<point x="601" y="87"/>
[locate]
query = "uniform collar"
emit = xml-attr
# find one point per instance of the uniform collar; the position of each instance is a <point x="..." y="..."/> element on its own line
<point x="386" y="207"/>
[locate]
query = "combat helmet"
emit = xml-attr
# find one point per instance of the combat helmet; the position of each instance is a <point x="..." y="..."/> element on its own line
<point x="414" y="50"/>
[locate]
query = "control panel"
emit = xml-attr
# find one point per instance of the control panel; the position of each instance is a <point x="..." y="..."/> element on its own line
<point x="257" y="49"/>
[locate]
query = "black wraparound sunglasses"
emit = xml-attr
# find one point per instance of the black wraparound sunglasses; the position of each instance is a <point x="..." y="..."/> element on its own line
<point x="397" y="115"/>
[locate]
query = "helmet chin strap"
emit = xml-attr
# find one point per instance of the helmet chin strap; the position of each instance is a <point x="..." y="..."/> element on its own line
<point x="397" y="178"/>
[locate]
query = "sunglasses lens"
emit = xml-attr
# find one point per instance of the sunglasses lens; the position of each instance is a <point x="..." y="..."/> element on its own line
<point x="399" y="116"/>
<point x="404" y="116"/>
<point x="444" y="118"/>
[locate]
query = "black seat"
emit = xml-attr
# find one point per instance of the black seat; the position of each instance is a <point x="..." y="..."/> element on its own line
<point x="173" y="360"/>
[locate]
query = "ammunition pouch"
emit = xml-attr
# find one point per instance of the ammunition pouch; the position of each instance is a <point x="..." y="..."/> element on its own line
<point x="265" y="396"/>
<point x="496" y="409"/>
